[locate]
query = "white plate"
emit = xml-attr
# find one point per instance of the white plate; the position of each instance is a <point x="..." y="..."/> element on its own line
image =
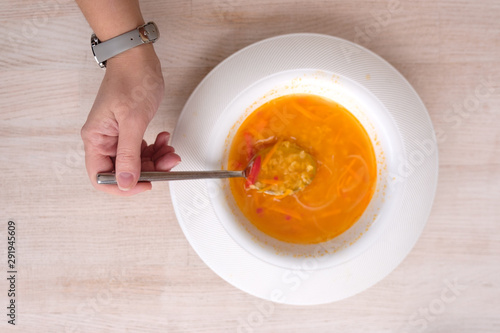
<point x="378" y="96"/>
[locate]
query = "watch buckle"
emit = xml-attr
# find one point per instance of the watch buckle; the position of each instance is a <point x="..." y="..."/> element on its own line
<point x="149" y="32"/>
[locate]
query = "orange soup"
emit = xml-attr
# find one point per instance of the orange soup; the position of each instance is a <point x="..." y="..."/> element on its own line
<point x="345" y="176"/>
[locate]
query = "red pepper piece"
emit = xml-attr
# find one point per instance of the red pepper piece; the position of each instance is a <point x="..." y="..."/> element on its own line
<point x="254" y="172"/>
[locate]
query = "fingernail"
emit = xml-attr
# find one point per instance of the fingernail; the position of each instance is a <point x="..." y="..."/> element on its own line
<point x="125" y="180"/>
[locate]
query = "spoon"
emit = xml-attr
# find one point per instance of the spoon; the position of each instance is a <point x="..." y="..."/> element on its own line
<point x="154" y="176"/>
<point x="289" y="168"/>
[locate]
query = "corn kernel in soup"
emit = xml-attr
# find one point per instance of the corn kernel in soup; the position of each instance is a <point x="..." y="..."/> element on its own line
<point x="345" y="177"/>
<point x="285" y="169"/>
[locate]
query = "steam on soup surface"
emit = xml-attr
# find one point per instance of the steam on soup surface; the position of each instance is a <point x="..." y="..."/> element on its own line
<point x="345" y="176"/>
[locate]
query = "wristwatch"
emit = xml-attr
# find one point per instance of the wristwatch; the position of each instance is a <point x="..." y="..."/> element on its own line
<point x="145" y="34"/>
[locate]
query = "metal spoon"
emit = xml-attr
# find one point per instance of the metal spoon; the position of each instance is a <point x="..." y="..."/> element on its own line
<point x="152" y="176"/>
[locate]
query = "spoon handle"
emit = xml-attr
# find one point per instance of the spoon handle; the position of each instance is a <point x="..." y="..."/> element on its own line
<point x="153" y="176"/>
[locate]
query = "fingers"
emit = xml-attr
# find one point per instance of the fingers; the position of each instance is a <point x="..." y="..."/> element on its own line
<point x="162" y="151"/>
<point x="161" y="140"/>
<point x="131" y="150"/>
<point x="164" y="157"/>
<point x="97" y="163"/>
<point x="167" y="162"/>
<point x="128" y="152"/>
<point x="148" y="152"/>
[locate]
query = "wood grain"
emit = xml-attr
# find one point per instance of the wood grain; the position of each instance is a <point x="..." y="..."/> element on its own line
<point x="89" y="262"/>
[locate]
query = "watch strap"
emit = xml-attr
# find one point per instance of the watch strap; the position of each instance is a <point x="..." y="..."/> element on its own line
<point x="103" y="51"/>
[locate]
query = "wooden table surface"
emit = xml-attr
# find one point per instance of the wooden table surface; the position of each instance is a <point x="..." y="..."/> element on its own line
<point x="90" y="262"/>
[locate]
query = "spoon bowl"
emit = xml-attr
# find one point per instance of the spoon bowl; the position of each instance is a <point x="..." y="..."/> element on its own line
<point x="285" y="169"/>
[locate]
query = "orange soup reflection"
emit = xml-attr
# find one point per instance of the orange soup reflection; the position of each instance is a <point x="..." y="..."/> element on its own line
<point x="345" y="177"/>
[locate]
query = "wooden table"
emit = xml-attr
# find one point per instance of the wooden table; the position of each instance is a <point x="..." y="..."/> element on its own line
<point x="90" y="262"/>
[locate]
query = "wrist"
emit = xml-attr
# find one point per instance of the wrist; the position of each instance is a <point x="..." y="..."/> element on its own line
<point x="138" y="73"/>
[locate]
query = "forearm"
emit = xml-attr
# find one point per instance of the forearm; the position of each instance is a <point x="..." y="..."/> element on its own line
<point x="110" y="18"/>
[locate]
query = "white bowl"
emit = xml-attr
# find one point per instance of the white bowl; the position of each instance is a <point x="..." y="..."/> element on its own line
<point x="386" y="142"/>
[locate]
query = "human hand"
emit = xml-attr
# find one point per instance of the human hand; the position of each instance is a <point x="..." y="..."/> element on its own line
<point x="128" y="98"/>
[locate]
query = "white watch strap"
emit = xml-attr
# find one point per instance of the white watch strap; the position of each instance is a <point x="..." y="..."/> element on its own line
<point x="145" y="34"/>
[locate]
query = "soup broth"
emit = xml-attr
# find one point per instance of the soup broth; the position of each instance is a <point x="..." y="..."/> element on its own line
<point x="346" y="169"/>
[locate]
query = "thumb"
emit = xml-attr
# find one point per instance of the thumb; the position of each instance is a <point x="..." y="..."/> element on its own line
<point x="128" y="153"/>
